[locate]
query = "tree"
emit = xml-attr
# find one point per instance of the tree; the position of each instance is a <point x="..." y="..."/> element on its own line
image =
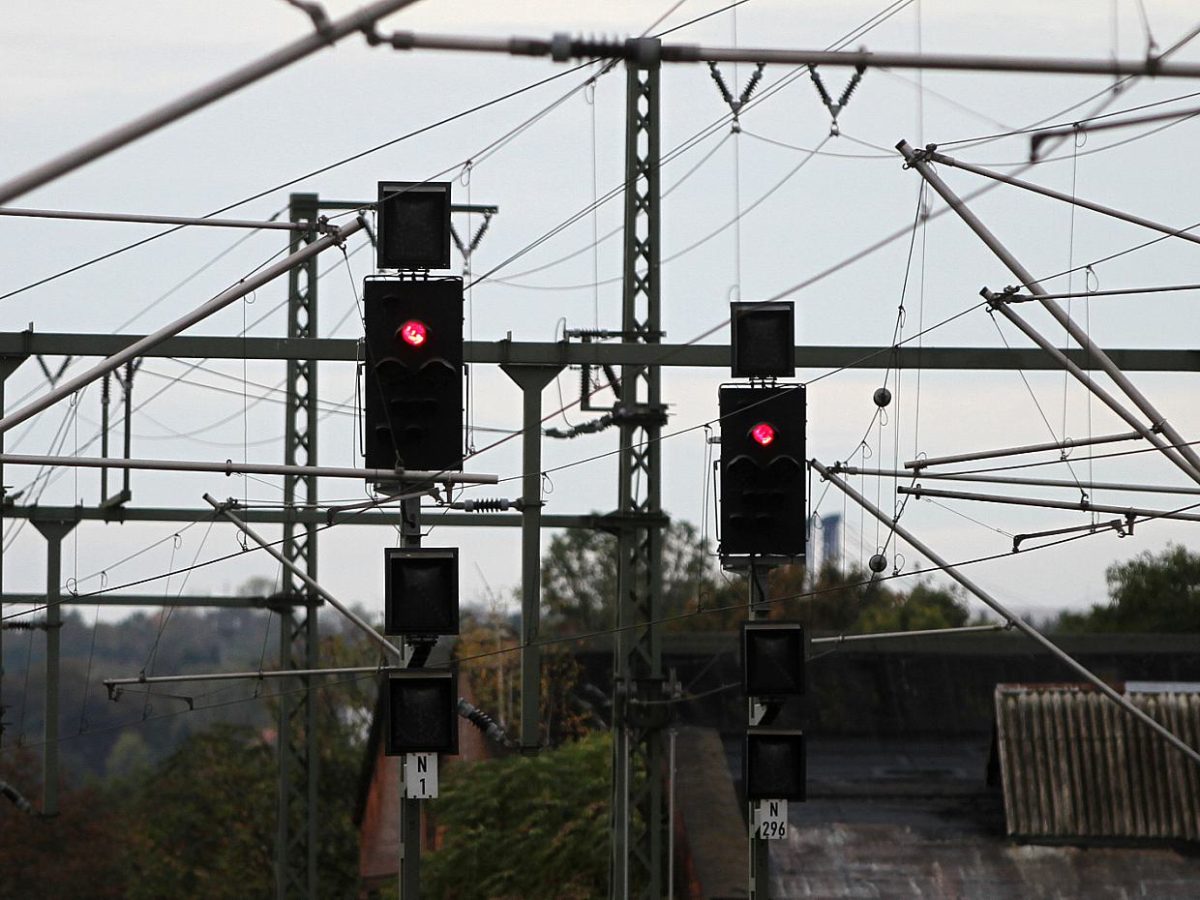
<point x="77" y="853"/>
<point x="203" y="824"/>
<point x="1149" y="593"/>
<point x="579" y="581"/>
<point x="925" y="606"/>
<point x="524" y="827"/>
<point x="852" y="602"/>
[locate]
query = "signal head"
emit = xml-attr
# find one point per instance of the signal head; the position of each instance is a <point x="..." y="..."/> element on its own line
<point x="763" y="434"/>
<point x="414" y="332"/>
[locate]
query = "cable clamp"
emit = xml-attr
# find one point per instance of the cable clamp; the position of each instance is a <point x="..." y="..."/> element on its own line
<point x="320" y="19"/>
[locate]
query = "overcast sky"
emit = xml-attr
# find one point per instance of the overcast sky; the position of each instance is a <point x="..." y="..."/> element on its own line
<point x="75" y="69"/>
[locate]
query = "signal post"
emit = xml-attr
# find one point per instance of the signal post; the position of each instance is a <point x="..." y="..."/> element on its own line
<point x="763" y="525"/>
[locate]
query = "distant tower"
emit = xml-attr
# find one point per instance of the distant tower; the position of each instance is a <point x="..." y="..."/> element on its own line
<point x="831" y="540"/>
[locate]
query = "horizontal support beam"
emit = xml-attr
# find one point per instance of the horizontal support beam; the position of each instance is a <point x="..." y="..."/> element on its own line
<point x="429" y="518"/>
<point x="1129" y="512"/>
<point x="112" y="683"/>
<point x="80" y="216"/>
<point x="480" y="208"/>
<point x="918" y="465"/>
<point x="713" y="356"/>
<point x="229" y="467"/>
<point x="923" y="632"/>
<point x="183" y="601"/>
<point x="648" y="51"/>
<point x="1011" y="479"/>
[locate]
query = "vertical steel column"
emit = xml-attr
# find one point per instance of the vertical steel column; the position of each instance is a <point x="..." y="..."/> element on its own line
<point x="297" y="835"/>
<point x="8" y="365"/>
<point x="409" y="872"/>
<point x="532" y="380"/>
<point x="637" y="839"/>
<point x="760" y="855"/>
<point x="53" y="532"/>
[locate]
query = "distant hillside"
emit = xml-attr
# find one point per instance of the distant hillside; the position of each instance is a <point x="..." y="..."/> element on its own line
<point x="103" y="738"/>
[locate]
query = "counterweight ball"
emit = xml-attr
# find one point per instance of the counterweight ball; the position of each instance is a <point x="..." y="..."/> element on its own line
<point x="882" y="397"/>
<point x="878" y="562"/>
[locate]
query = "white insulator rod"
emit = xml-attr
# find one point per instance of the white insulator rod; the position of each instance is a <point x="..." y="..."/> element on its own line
<point x="1081" y="505"/>
<point x="999" y="608"/>
<point x="1066" y="444"/>
<point x="76" y="215"/>
<point x="1008" y="479"/>
<point x="199" y="314"/>
<point x="363" y="625"/>
<point x="329" y="34"/>
<point x="885" y="635"/>
<point x="230" y="467"/>
<point x="257" y="676"/>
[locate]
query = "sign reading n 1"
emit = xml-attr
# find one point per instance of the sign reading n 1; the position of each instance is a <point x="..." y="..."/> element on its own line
<point x="770" y="820"/>
<point x="421" y="776"/>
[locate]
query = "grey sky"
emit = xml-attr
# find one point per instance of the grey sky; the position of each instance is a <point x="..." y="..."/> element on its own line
<point x="74" y="69"/>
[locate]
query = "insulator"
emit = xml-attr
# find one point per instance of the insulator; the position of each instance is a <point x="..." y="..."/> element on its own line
<point x="816" y="80"/>
<point x="489" y="504"/>
<point x="483" y="722"/>
<point x="882" y="397"/>
<point x="752" y="84"/>
<point x="877" y="563"/>
<point x="854" y="80"/>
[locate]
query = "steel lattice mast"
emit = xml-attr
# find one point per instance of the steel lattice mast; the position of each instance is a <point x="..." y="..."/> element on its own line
<point x="299" y="640"/>
<point x="637" y="838"/>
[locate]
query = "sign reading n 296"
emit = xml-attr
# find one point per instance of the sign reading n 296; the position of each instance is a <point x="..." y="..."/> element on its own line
<point x="770" y="820"/>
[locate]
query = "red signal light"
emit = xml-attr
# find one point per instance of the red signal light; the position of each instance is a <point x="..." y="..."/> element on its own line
<point x="413" y="332"/>
<point x="763" y="434"/>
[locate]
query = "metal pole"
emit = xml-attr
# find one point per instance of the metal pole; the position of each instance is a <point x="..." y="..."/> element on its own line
<point x="637" y="807"/>
<point x="561" y="47"/>
<point x="258" y="676"/>
<point x="1033" y="482"/>
<point x="532" y="380"/>
<point x="1082" y="505"/>
<point x="1003" y="611"/>
<point x="1085" y="378"/>
<point x="327" y="34"/>
<point x="137" y="348"/>
<point x="53" y="532"/>
<point x="1181" y="233"/>
<point x="760" y="849"/>
<point x="8" y="365"/>
<point x="1081" y="337"/>
<point x="76" y="215"/>
<point x="333" y="601"/>
<point x="888" y="635"/>
<point x="229" y="467"/>
<point x="1065" y="444"/>
<point x="409" y="874"/>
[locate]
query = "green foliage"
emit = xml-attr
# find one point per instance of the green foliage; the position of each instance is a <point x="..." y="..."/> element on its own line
<point x="579" y="582"/>
<point x="851" y="603"/>
<point x="925" y="606"/>
<point x="77" y="853"/>
<point x="524" y="827"/>
<point x="1149" y="593"/>
<point x="188" y="807"/>
<point x="202" y="825"/>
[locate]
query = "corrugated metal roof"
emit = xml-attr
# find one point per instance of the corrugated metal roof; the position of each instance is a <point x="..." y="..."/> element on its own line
<point x="1074" y="766"/>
